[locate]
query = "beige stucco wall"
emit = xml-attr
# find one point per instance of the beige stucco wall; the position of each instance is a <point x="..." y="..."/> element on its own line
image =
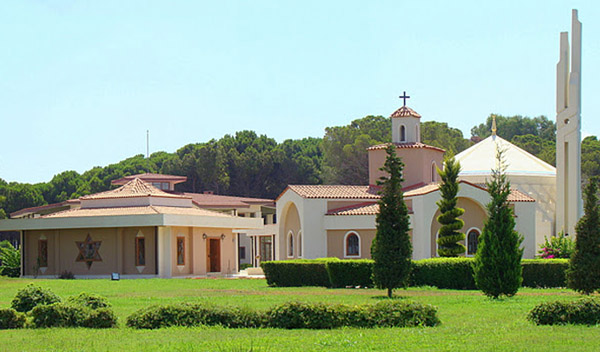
<point x="474" y="217"/>
<point x="291" y="222"/>
<point x="417" y="161"/>
<point x="335" y="242"/>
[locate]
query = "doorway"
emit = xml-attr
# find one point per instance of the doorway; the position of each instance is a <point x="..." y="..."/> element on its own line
<point x="214" y="255"/>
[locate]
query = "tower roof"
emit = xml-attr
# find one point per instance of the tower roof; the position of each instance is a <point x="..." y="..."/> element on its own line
<point x="480" y="159"/>
<point x="405" y="111"/>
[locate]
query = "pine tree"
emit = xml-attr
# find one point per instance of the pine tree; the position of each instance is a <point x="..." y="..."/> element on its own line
<point x="449" y="237"/>
<point x="497" y="266"/>
<point x="391" y="249"/>
<point x="583" y="274"/>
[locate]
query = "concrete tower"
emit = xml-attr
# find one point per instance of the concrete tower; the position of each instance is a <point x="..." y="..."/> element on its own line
<point x="569" y="204"/>
<point x="406" y="124"/>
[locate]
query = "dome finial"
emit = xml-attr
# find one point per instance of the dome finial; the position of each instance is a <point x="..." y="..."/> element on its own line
<point x="494" y="129"/>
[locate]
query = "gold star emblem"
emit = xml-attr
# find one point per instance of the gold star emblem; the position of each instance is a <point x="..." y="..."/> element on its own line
<point x="88" y="251"/>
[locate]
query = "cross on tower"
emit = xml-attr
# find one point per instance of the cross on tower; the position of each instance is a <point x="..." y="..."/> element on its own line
<point x="404" y="97"/>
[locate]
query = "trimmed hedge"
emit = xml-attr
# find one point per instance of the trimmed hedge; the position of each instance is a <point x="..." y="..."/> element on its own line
<point x="91" y="301"/>
<point x="585" y="311"/>
<point x="292" y="315"/>
<point x="11" y="319"/>
<point x="31" y="296"/>
<point x="297" y="272"/>
<point x="72" y="315"/>
<point x="445" y="273"/>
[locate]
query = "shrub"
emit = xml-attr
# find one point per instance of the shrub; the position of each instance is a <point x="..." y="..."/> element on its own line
<point x="72" y="315"/>
<point x="544" y="273"/>
<point x="401" y="314"/>
<point x="10" y="260"/>
<point x="344" y="273"/>
<point x="66" y="275"/>
<point x="11" y="319"/>
<point x="89" y="300"/>
<point x="245" y="266"/>
<point x="558" y="247"/>
<point x="585" y="311"/>
<point x="299" y="272"/>
<point x="299" y="315"/>
<point x="30" y="296"/>
<point x="451" y="273"/>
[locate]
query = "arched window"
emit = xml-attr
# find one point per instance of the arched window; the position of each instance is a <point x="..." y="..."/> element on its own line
<point x="402" y="133"/>
<point x="472" y="241"/>
<point x="351" y="245"/>
<point x="433" y="171"/>
<point x="300" y="244"/>
<point x="290" y="249"/>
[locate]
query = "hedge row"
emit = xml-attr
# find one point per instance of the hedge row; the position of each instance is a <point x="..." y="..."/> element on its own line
<point x="451" y="273"/>
<point x="292" y="315"/>
<point x="585" y="311"/>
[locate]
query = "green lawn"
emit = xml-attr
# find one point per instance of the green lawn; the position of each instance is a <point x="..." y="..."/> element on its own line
<point x="470" y="321"/>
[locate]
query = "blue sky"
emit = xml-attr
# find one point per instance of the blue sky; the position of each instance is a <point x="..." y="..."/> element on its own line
<point x="82" y="81"/>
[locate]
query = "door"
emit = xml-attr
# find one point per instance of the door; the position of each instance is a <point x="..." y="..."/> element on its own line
<point x="214" y="255"/>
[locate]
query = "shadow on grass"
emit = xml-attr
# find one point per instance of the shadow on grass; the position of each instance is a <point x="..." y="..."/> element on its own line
<point x="394" y="297"/>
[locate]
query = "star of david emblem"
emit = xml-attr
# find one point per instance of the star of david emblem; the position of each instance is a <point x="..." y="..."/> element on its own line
<point x="88" y="251"/>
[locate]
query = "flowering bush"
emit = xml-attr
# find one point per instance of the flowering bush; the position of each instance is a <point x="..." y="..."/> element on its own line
<point x="558" y="246"/>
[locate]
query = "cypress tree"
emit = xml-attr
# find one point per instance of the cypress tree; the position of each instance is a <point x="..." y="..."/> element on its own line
<point x="497" y="266"/>
<point x="449" y="237"/>
<point x="391" y="249"/>
<point x="583" y="274"/>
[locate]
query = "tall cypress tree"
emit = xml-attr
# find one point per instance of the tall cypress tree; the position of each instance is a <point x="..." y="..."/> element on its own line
<point x="497" y="266"/>
<point x="391" y="249"/>
<point x="583" y="274"/>
<point x="449" y="237"/>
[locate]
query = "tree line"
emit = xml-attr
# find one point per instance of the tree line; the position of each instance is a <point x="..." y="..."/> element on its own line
<point x="247" y="164"/>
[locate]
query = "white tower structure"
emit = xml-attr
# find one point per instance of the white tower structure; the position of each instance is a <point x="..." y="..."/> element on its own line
<point x="406" y="124"/>
<point x="569" y="204"/>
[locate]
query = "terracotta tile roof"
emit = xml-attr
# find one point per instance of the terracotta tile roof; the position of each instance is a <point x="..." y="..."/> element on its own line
<point x="405" y="111"/>
<point x="518" y="196"/>
<point x="133" y="188"/>
<point x="334" y="191"/>
<point x="368" y="208"/>
<point x="217" y="201"/>
<point x="148" y="177"/>
<point x="121" y="211"/>
<point x="40" y="208"/>
<point x="414" y="145"/>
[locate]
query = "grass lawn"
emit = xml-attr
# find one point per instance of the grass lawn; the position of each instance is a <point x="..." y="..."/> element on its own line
<point x="470" y="321"/>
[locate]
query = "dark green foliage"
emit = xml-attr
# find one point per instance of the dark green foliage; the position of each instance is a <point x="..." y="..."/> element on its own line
<point x="101" y="318"/>
<point x="439" y="134"/>
<point x="187" y="314"/>
<point x="11" y="319"/>
<point x="391" y="249"/>
<point x="451" y="273"/>
<point x="497" y="267"/>
<point x="542" y="273"/>
<point x="10" y="260"/>
<point x="88" y="300"/>
<point x="350" y="273"/>
<point x="559" y="246"/>
<point x="291" y="315"/>
<point x="72" y="315"/>
<point x="299" y="272"/>
<point x="449" y="236"/>
<point x="584" y="269"/>
<point x="66" y="275"/>
<point x="510" y="126"/>
<point x="31" y="296"/>
<point x="585" y="311"/>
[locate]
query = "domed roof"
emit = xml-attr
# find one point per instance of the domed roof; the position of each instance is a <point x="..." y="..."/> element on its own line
<point x="405" y="111"/>
<point x="480" y="159"/>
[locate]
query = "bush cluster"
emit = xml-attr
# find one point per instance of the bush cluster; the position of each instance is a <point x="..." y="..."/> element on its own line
<point x="11" y="319"/>
<point x="447" y="273"/>
<point x="292" y="315"/>
<point x="30" y="296"/>
<point x="585" y="311"/>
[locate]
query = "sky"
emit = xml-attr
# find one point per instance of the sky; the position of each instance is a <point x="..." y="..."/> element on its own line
<point x="82" y="81"/>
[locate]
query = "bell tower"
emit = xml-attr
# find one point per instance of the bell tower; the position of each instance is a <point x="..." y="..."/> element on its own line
<point x="406" y="124"/>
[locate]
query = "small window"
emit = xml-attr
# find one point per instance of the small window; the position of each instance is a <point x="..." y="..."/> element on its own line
<point x="180" y="251"/>
<point x="352" y="245"/>
<point x="140" y="251"/>
<point x="156" y="184"/>
<point x="43" y="253"/>
<point x="402" y="133"/>
<point x="165" y="186"/>
<point x="242" y="252"/>
<point x="472" y="242"/>
<point x="433" y="171"/>
<point x="290" y="244"/>
<point x="299" y="243"/>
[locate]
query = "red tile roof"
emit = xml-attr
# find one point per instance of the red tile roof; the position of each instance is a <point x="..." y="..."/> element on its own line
<point x="518" y="196"/>
<point x="43" y="207"/>
<point x="132" y="189"/>
<point x="334" y="191"/>
<point x="121" y="211"/>
<point x="405" y="111"/>
<point x="148" y="177"/>
<point x="415" y="145"/>
<point x="217" y="201"/>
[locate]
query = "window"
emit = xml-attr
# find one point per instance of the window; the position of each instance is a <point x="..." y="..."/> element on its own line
<point x="242" y="252"/>
<point x="433" y="171"/>
<point x="402" y="133"/>
<point x="352" y="245"/>
<point x="165" y="186"/>
<point x="290" y="244"/>
<point x="180" y="251"/>
<point x="300" y="243"/>
<point x="140" y="251"/>
<point x="43" y="253"/>
<point x="472" y="241"/>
